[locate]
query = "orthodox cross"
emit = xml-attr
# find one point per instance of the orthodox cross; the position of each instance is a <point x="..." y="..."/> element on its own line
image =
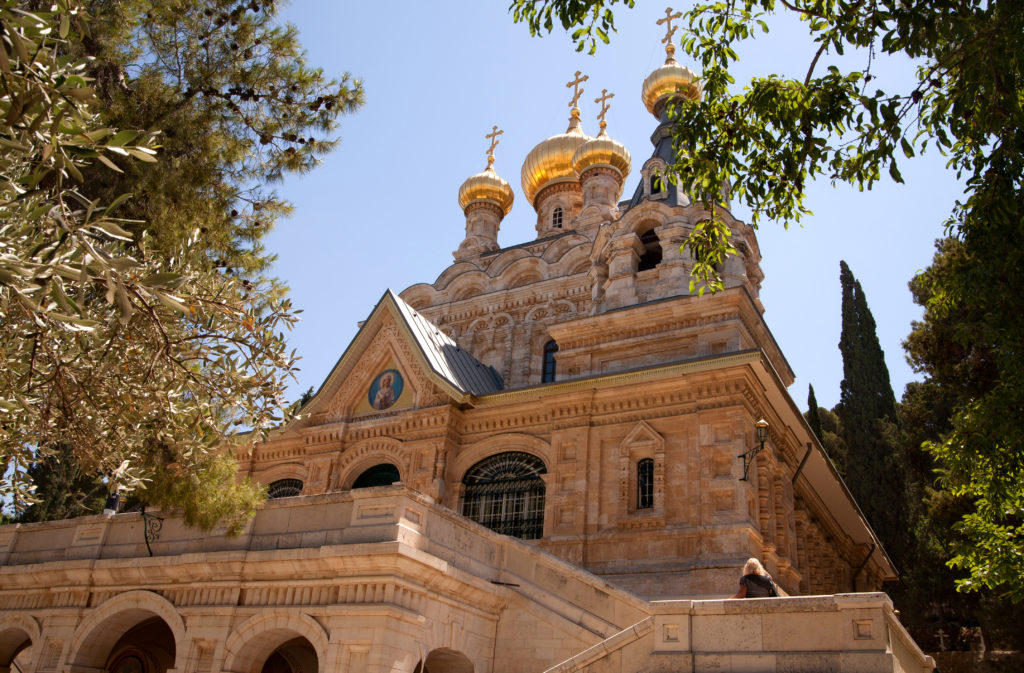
<point x="670" y="29"/>
<point x="493" y="137"/>
<point x="577" y="91"/>
<point x="603" y="102"/>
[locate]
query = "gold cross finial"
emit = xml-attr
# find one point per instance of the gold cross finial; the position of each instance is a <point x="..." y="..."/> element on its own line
<point x="493" y="137"/>
<point x="603" y="102"/>
<point x="669" y="29"/>
<point x="577" y="91"/>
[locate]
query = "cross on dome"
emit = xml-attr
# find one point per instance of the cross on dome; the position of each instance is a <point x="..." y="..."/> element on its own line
<point x="577" y="90"/>
<point x="493" y="137"/>
<point x="670" y="30"/>
<point x="602" y="100"/>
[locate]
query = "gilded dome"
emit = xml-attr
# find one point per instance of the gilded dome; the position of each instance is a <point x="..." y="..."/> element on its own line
<point x="550" y="162"/>
<point x="487" y="186"/>
<point x="668" y="80"/>
<point x="602" y="151"/>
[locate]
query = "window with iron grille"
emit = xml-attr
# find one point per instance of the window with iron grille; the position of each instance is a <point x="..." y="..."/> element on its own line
<point x="284" y="488"/>
<point x="645" y="484"/>
<point x="506" y="494"/>
<point x="548" y="370"/>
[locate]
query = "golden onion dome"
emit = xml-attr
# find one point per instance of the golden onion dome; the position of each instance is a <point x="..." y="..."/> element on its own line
<point x="550" y="162"/>
<point x="668" y="80"/>
<point x="602" y="151"/>
<point x="487" y="186"/>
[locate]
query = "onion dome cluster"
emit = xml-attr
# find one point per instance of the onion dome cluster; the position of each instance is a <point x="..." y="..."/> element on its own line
<point x="551" y="161"/>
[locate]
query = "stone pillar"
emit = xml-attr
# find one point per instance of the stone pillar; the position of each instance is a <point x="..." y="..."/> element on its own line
<point x="482" y="221"/>
<point x="621" y="288"/>
<point x="601" y="187"/>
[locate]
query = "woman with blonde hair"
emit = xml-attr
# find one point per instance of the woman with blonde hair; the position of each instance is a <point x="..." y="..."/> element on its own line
<point x="756" y="582"/>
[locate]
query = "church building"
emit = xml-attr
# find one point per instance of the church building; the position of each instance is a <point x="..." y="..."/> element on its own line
<point x="554" y="457"/>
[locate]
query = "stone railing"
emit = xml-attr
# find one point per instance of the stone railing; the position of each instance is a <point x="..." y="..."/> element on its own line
<point x="843" y="632"/>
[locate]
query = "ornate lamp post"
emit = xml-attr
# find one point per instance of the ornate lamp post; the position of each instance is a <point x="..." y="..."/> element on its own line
<point x="748" y="457"/>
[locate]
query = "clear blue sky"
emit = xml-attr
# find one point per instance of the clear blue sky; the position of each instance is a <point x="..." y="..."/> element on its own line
<point x="382" y="210"/>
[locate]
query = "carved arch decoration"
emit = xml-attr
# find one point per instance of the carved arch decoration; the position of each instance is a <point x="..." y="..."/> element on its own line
<point x="564" y="245"/>
<point x="17" y="631"/>
<point x="287" y="471"/>
<point x="97" y="634"/>
<point x="419" y="296"/>
<point x="258" y="637"/>
<point x="523" y="273"/>
<point x="505" y="260"/>
<point x="510" y="441"/>
<point x="466" y="283"/>
<point x="452" y="272"/>
<point x="560" y="309"/>
<point x="642" y="442"/>
<point x="367" y="453"/>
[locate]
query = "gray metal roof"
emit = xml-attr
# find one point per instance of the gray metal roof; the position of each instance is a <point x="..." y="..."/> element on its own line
<point x="463" y="371"/>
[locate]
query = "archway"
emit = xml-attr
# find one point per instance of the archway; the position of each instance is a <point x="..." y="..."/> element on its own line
<point x="16" y="638"/>
<point x="148" y="647"/>
<point x="137" y="632"/>
<point x="444" y="660"/>
<point x="277" y="642"/>
<point x="294" y="656"/>
<point x="382" y="474"/>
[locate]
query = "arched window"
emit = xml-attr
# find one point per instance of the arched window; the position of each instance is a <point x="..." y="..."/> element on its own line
<point x="556" y="217"/>
<point x="506" y="493"/>
<point x="657" y="185"/>
<point x="284" y="488"/>
<point x="652" y="251"/>
<point x="645" y="484"/>
<point x="383" y="474"/>
<point x="548" y="370"/>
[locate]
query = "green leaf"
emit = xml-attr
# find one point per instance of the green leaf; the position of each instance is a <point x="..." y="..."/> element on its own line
<point x="108" y="163"/>
<point x="908" y="149"/>
<point x="112" y="230"/>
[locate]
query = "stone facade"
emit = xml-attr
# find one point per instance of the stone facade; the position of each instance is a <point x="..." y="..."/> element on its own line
<point x="384" y="579"/>
<point x="569" y="391"/>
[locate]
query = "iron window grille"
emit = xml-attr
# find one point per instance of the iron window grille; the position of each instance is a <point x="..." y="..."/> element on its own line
<point x="506" y="494"/>
<point x="284" y="488"/>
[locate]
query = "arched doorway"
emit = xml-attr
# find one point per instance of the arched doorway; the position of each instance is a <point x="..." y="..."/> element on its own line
<point x="506" y="494"/>
<point x="147" y="647"/>
<point x="294" y="656"/>
<point x="276" y="642"/>
<point x="382" y="474"/>
<point x="444" y="660"/>
<point x="15" y="649"/>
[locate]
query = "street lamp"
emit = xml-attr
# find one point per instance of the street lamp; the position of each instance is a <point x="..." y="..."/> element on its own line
<point x="748" y="457"/>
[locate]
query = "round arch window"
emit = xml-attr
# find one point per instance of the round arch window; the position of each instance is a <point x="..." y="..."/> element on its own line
<point x="383" y="474"/>
<point x="284" y="488"/>
<point x="506" y="494"/>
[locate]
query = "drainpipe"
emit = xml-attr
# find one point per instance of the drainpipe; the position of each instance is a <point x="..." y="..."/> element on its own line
<point x="803" y="461"/>
<point x="861" y="567"/>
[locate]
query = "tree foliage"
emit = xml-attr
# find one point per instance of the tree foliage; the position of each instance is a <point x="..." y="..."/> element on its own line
<point x="867" y="411"/>
<point x="813" y="417"/>
<point x="776" y="135"/>
<point x="129" y="339"/>
<point x="969" y="351"/>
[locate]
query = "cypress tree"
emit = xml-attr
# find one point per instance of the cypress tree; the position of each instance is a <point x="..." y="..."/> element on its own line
<point x="813" y="417"/>
<point x="867" y="412"/>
